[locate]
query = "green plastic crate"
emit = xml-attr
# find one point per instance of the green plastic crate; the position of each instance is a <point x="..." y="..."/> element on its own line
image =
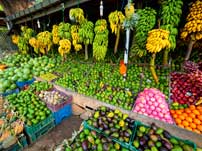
<point x="138" y="123"/>
<point x="123" y="144"/>
<point x="19" y="145"/>
<point x="34" y="136"/>
<point x="30" y="130"/>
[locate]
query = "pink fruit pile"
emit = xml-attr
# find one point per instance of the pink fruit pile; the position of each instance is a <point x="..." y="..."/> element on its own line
<point x="151" y="102"/>
<point x="183" y="89"/>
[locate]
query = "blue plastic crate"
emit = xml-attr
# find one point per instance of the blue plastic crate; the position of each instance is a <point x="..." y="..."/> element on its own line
<point x="62" y="113"/>
<point x="19" y="145"/>
<point x="21" y="84"/>
<point x="10" y="92"/>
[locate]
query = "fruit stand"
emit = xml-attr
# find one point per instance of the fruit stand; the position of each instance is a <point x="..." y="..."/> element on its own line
<point x="130" y="70"/>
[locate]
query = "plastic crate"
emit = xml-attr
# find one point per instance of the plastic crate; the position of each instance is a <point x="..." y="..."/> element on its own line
<point x="62" y="113"/>
<point x="10" y="92"/>
<point x="44" y="130"/>
<point x="138" y="123"/>
<point x="21" y="84"/>
<point x="123" y="144"/>
<point x="31" y="130"/>
<point x="19" y="145"/>
<point x="55" y="108"/>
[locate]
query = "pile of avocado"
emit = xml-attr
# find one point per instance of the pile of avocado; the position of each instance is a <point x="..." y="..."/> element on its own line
<point x="112" y="123"/>
<point x="88" y="141"/>
<point x="29" y="106"/>
<point x="157" y="139"/>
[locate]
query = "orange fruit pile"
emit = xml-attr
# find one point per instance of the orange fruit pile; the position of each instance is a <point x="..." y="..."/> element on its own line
<point x="189" y="118"/>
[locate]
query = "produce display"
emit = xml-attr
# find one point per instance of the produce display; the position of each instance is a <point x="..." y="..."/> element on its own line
<point x="89" y="140"/>
<point x="151" y="102"/>
<point x="157" y="139"/>
<point x="28" y="105"/>
<point x="113" y="123"/>
<point x="189" y="118"/>
<point x="52" y="97"/>
<point x="146" y="22"/>
<point x="100" y="43"/>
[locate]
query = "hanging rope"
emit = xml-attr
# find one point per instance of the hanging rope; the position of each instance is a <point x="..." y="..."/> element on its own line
<point x="63" y="12"/>
<point x="122" y="5"/>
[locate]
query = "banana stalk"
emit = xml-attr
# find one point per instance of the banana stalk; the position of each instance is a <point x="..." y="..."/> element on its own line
<point x="165" y="57"/>
<point x="86" y="51"/>
<point x="189" y="50"/>
<point x="152" y="67"/>
<point x="117" y="39"/>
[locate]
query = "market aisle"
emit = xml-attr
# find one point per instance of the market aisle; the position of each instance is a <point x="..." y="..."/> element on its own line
<point x="56" y="135"/>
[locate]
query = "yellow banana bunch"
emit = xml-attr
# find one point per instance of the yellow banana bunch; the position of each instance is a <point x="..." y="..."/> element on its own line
<point x="77" y="14"/>
<point x="56" y="37"/>
<point x="193" y="27"/>
<point x="129" y="10"/>
<point x="44" y="41"/>
<point x="157" y="40"/>
<point x="65" y="47"/>
<point x="116" y="20"/>
<point x="15" y="39"/>
<point x="75" y="37"/>
<point x="35" y="44"/>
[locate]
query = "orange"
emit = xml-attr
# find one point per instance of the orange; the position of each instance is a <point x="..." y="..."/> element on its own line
<point x="197" y="131"/>
<point x="189" y="119"/>
<point x="185" y="123"/>
<point x="192" y="125"/>
<point x="192" y="115"/>
<point x="178" y="121"/>
<point x="187" y="110"/>
<point x="199" y="108"/>
<point x="172" y="111"/>
<point x="185" y="115"/>
<point x="178" y="112"/>
<point x="182" y="117"/>
<point x="189" y="128"/>
<point x="199" y="117"/>
<point x="196" y="112"/>
<point x="180" y="125"/>
<point x="199" y="127"/>
<point x="192" y="107"/>
<point x="197" y="121"/>
<point x="175" y="116"/>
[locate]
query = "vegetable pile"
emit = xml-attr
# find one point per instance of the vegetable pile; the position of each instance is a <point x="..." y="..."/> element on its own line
<point x="151" y="102"/>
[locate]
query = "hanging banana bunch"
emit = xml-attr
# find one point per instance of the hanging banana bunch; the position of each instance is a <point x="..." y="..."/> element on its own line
<point x="146" y="22"/>
<point x="116" y="20"/>
<point x="86" y="35"/>
<point x="192" y="30"/>
<point x="64" y="30"/>
<point x="44" y="41"/>
<point x="35" y="44"/>
<point x="171" y="14"/>
<point x="15" y="39"/>
<point x="64" y="48"/>
<point x="55" y="34"/>
<point x="77" y="15"/>
<point x="75" y="37"/>
<point x="100" y="43"/>
<point x="157" y="40"/>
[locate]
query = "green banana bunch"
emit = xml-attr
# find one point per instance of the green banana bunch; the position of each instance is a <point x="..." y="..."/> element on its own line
<point x="146" y="22"/>
<point x="100" y="43"/>
<point x="171" y="12"/>
<point x="64" y="30"/>
<point x="86" y="32"/>
<point x="23" y="42"/>
<point x="77" y="14"/>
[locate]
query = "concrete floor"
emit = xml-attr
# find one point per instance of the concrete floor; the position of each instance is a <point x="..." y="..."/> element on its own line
<point x="56" y="135"/>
